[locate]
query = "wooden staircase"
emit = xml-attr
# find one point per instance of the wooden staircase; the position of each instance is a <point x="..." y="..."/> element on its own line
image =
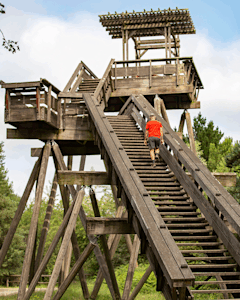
<point x="214" y="268"/>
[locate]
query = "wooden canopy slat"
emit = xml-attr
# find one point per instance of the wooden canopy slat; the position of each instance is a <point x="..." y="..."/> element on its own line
<point x="179" y="20"/>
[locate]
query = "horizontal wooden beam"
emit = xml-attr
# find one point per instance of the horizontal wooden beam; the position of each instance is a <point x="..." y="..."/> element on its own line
<point x="21" y="84"/>
<point x="67" y="134"/>
<point x="69" y="95"/>
<point x="161" y="90"/>
<point x="226" y="179"/>
<point x="109" y="226"/>
<point x="71" y="150"/>
<point x="83" y="178"/>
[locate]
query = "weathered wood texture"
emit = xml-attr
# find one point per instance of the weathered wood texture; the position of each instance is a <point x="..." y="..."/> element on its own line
<point x="46" y="223"/>
<point x="215" y="191"/>
<point x="34" y="220"/>
<point x="97" y="251"/>
<point x="21" y="206"/>
<point x="83" y="177"/>
<point x="159" y="237"/>
<point x="108" y="226"/>
<point x="64" y="245"/>
<point x="26" y="102"/>
<point x="49" y="253"/>
<point x="75" y="269"/>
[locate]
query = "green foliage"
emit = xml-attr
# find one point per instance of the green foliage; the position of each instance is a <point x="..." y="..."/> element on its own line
<point x="233" y="161"/>
<point x="216" y="161"/>
<point x="150" y="284"/>
<point x="206" y="134"/>
<point x="8" y="205"/>
<point x="233" y="158"/>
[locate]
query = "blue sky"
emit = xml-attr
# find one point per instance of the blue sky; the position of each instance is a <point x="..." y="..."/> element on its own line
<point x="221" y="18"/>
<point x="55" y="35"/>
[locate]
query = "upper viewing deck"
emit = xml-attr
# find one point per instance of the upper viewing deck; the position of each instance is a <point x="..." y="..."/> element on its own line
<point x="40" y="110"/>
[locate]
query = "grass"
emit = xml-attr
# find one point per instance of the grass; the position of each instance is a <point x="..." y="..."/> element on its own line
<point x="74" y="292"/>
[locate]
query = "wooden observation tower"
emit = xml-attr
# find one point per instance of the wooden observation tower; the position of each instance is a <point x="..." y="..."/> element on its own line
<point x="179" y="219"/>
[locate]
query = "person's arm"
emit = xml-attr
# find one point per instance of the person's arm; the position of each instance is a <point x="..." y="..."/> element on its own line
<point x="146" y="137"/>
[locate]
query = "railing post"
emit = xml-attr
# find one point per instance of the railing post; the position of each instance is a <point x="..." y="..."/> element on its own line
<point x="49" y="103"/>
<point x="150" y="73"/>
<point x="38" y="102"/>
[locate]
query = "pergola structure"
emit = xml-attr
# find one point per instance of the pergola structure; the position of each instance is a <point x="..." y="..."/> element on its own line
<point x="167" y="23"/>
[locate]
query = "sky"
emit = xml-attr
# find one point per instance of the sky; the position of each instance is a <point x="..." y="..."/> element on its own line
<point x="54" y="36"/>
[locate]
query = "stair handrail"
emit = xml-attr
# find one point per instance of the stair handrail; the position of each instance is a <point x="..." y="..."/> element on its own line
<point x="219" y="200"/>
<point x="102" y="82"/>
<point x="140" y="200"/>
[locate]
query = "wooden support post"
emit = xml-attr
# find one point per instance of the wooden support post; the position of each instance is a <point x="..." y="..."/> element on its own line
<point x="157" y="105"/>
<point x="127" y="43"/>
<point x="123" y="44"/>
<point x="67" y="260"/>
<point x="131" y="268"/>
<point x="105" y="248"/>
<point x="19" y="211"/>
<point x="181" y="124"/>
<point x="100" y="259"/>
<point x="32" y="266"/>
<point x="190" y="132"/>
<point x="164" y="112"/>
<point x="140" y="283"/>
<point x="165" y="35"/>
<point x="76" y="249"/>
<point x="64" y="245"/>
<point x="75" y="269"/>
<point x="38" y="103"/>
<point x="46" y="222"/>
<point x="169" y="41"/>
<point x="49" y="253"/>
<point x="34" y="221"/>
<point x="49" y="103"/>
<point x="113" y="242"/>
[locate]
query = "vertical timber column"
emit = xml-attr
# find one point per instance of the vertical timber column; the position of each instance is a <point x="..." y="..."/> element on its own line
<point x="169" y="42"/>
<point x="67" y="260"/>
<point x="190" y="132"/>
<point x="46" y="222"/>
<point x="19" y="211"/>
<point x="127" y="44"/>
<point x="181" y="125"/>
<point x="34" y="221"/>
<point x="123" y="43"/>
<point x="49" y="102"/>
<point x="165" y="35"/>
<point x="64" y="245"/>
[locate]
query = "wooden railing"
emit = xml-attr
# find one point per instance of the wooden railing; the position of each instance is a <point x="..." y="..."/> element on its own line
<point x="136" y="198"/>
<point x="81" y="73"/>
<point x="32" y="101"/>
<point x="219" y="204"/>
<point x="148" y="73"/>
<point x="105" y="86"/>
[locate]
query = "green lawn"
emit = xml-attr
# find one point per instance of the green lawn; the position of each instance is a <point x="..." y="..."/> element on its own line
<point x="74" y="292"/>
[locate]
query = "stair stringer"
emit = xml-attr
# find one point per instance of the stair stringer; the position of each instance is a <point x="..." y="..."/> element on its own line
<point x="168" y="259"/>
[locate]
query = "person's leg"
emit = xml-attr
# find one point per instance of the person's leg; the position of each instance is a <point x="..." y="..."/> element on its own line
<point x="157" y="144"/>
<point x="151" y="144"/>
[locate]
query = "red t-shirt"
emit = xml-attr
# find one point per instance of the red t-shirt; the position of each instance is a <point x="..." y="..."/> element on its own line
<point x="153" y="128"/>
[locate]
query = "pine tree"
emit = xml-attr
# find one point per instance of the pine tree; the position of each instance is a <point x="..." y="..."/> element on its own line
<point x="206" y="134"/>
<point x="8" y="206"/>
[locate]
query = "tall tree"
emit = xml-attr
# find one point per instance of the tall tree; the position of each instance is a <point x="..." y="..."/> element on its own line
<point x="8" y="206"/>
<point x="233" y="161"/>
<point x="206" y="134"/>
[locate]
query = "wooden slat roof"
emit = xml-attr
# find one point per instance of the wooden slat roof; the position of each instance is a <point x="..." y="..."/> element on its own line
<point x="148" y="23"/>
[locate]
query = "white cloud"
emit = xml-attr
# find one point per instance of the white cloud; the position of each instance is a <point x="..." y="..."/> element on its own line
<point x="52" y="47"/>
